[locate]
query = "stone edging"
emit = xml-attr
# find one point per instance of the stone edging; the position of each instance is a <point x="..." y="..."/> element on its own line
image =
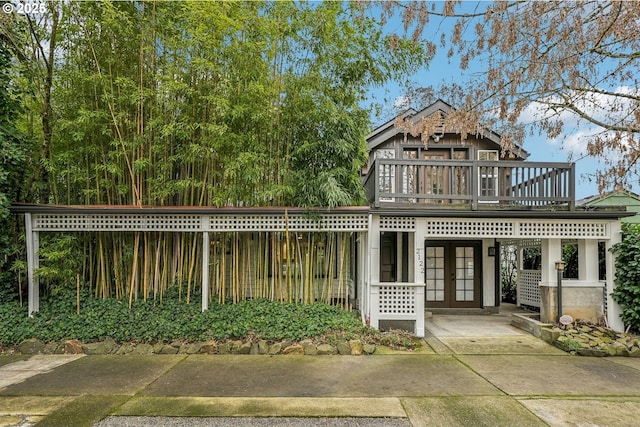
<point x="109" y="346"/>
<point x="591" y="340"/>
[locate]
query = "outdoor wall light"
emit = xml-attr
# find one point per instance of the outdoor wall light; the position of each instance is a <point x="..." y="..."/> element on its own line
<point x="492" y="251"/>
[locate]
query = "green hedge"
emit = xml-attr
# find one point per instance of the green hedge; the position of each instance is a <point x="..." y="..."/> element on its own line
<point x="627" y="280"/>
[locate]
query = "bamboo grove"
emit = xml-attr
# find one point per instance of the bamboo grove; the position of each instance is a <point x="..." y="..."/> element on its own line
<point x="199" y="104"/>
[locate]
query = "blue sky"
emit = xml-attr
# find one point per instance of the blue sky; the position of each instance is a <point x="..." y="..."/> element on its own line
<point x="444" y="70"/>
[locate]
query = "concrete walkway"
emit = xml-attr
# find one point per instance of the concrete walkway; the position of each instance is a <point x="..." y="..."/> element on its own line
<point x="504" y="380"/>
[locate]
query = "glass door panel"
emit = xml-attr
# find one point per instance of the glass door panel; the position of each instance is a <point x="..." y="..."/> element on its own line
<point x="453" y="274"/>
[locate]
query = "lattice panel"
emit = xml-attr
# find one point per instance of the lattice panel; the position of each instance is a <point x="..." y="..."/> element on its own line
<point x="114" y="222"/>
<point x="529" y="287"/>
<point x="469" y="228"/>
<point x="395" y="223"/>
<point x="397" y="300"/>
<point x="157" y="222"/>
<point x="293" y="223"/>
<point x="584" y="230"/>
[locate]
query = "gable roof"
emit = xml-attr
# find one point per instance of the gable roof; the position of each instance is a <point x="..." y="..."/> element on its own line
<point x="615" y="194"/>
<point x="620" y="198"/>
<point x="388" y="130"/>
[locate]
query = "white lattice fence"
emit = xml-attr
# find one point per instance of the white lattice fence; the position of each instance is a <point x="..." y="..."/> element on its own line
<point x="529" y="287"/>
<point x="469" y="228"/>
<point x="199" y="222"/>
<point x="343" y="222"/>
<point x="563" y="229"/>
<point x="396" y="300"/>
<point x="516" y="229"/>
<point x="394" y="223"/>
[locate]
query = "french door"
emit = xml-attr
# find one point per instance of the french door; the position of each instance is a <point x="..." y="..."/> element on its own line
<point x="453" y="274"/>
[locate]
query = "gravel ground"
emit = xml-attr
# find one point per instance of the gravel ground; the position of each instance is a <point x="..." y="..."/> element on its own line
<point x="250" y="422"/>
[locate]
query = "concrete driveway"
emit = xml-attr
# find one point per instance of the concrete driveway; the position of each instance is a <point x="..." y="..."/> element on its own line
<point x="482" y="334"/>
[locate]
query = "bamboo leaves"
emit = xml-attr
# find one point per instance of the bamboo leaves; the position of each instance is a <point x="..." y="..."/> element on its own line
<point x="211" y="104"/>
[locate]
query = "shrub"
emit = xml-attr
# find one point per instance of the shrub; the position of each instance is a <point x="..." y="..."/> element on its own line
<point x="627" y="280"/>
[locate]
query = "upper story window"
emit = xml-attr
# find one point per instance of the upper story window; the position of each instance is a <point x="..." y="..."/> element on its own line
<point x="488" y="175"/>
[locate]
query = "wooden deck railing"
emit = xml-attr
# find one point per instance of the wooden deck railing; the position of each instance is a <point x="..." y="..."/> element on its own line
<point x="479" y="184"/>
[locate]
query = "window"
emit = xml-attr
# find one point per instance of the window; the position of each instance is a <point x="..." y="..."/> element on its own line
<point x="488" y="175"/>
<point x="387" y="174"/>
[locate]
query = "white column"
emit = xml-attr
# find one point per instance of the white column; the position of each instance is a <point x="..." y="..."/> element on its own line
<point x="588" y="268"/>
<point x="489" y="281"/>
<point x="205" y="270"/>
<point x="419" y="237"/>
<point x="519" y="255"/>
<point x="362" y="274"/>
<point x="206" y="248"/>
<point x="33" y="263"/>
<point x="374" y="268"/>
<point x="551" y="253"/>
<point x="613" y="309"/>
<point x="411" y="259"/>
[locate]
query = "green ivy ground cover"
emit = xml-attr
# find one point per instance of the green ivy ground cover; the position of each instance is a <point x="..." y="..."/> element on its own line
<point x="174" y="320"/>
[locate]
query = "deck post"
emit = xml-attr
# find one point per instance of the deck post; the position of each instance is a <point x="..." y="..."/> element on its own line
<point x="475" y="185"/>
<point x="33" y="263"/>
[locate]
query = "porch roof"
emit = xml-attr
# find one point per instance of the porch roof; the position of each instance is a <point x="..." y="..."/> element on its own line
<point x="591" y="212"/>
<point x="172" y="210"/>
<point x="596" y="213"/>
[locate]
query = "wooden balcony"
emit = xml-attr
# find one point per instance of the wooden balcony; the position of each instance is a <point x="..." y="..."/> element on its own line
<point x="442" y="184"/>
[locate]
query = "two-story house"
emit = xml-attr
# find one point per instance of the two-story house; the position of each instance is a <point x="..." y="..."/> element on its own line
<point x="440" y="207"/>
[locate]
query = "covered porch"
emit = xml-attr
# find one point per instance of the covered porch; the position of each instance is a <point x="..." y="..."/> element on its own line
<point x="443" y="263"/>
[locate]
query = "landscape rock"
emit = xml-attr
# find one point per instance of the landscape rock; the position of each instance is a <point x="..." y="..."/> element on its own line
<point x="209" y="347"/>
<point x="224" y="348"/>
<point x="344" y="348"/>
<point x="142" y="349"/>
<point x="310" y="349"/>
<point x="326" y="349"/>
<point x="31" y="346"/>
<point x="263" y="347"/>
<point x="169" y="349"/>
<point x="275" y="348"/>
<point x="255" y="348"/>
<point x="245" y="348"/>
<point x="73" y="347"/>
<point x="294" y="349"/>
<point x="54" y="348"/>
<point x="125" y="348"/>
<point x="597" y="341"/>
<point x="190" y="348"/>
<point x="107" y="346"/>
<point x="593" y="352"/>
<point x="369" y="348"/>
<point x="356" y="347"/>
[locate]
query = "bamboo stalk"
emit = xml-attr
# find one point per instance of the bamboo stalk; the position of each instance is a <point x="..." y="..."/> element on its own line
<point x="145" y="266"/>
<point x="156" y="275"/>
<point x="287" y="255"/>
<point x="134" y="270"/>
<point x="78" y="294"/>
